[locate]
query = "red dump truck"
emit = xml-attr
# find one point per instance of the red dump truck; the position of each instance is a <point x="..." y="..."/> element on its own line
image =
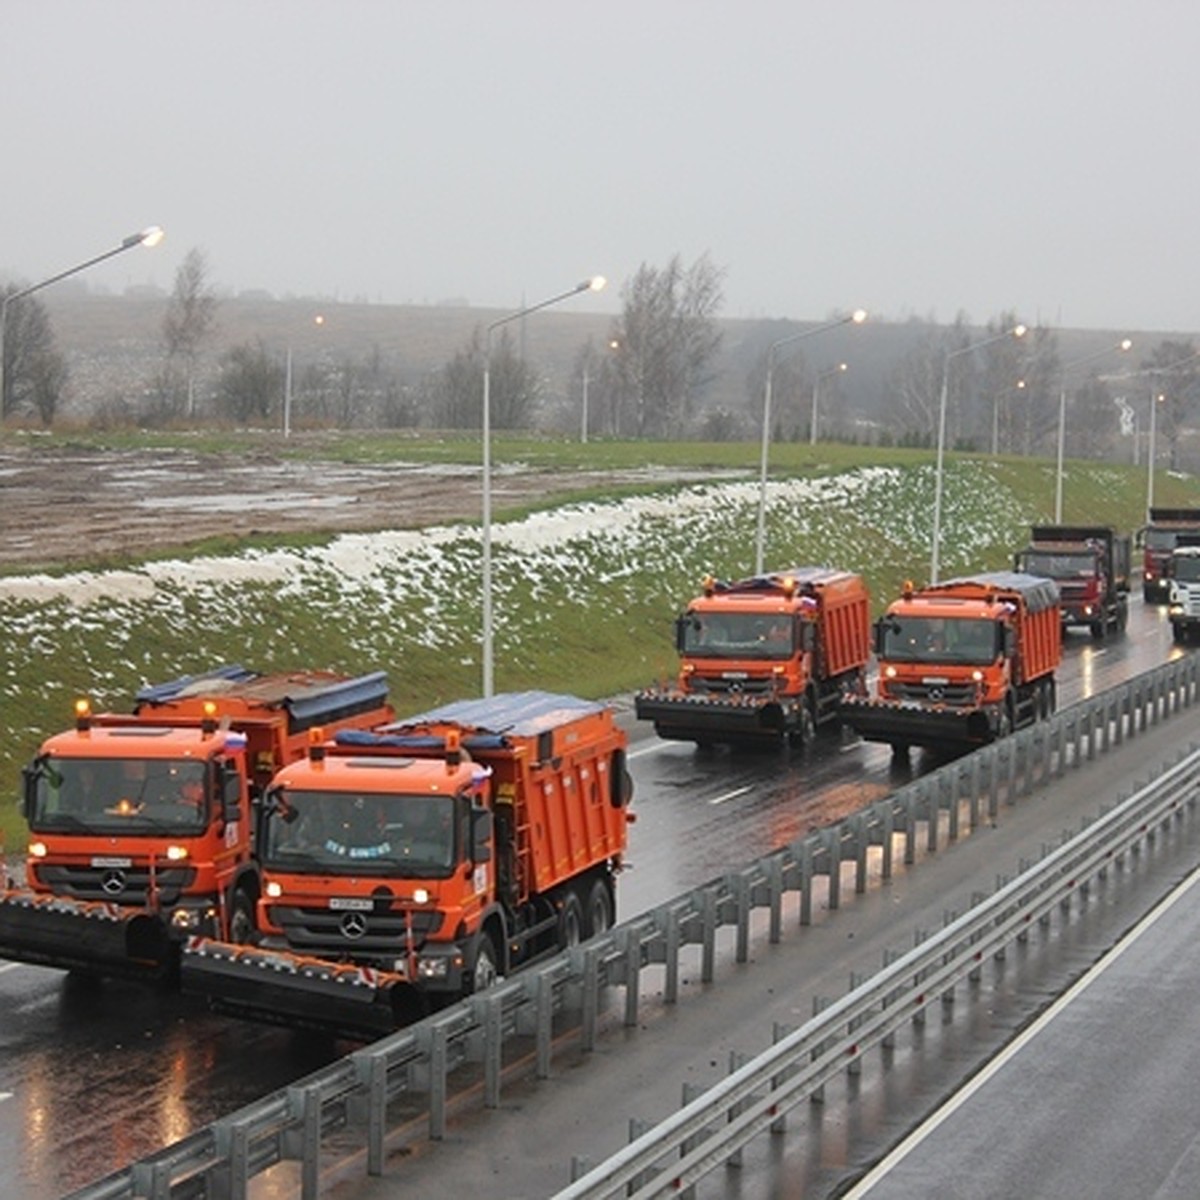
<point x="140" y="823"/>
<point x="1158" y="537"/>
<point x="962" y="663"/>
<point x="765" y="658"/>
<point x="407" y="867"/>
<point x="1090" y="565"/>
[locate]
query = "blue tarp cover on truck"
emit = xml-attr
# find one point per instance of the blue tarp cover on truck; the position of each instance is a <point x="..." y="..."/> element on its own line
<point x="1038" y="593"/>
<point x="521" y="714"/>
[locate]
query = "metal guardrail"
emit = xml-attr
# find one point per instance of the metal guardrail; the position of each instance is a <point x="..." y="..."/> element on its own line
<point x="713" y="1128"/>
<point x="566" y="993"/>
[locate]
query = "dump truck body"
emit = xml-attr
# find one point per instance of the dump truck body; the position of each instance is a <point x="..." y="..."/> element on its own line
<point x="962" y="663"/>
<point x="764" y="658"/>
<point x="1090" y="565"/>
<point x="407" y="867"/>
<point x="141" y="824"/>
<point x="1158" y="537"/>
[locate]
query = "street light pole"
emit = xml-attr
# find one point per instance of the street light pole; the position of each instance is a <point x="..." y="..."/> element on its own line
<point x="147" y="237"/>
<point x="828" y="374"/>
<point x="318" y="320"/>
<point x="1016" y="331"/>
<point x="1121" y="346"/>
<point x="857" y="317"/>
<point x="588" y="285"/>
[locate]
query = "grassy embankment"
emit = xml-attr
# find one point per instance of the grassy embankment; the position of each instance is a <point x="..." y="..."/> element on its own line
<point x="587" y="609"/>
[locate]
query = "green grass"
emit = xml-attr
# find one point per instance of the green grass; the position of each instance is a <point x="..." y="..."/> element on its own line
<point x="592" y="618"/>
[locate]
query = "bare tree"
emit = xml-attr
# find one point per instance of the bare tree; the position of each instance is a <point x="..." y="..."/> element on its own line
<point x="1174" y="373"/>
<point x="250" y="380"/>
<point x="34" y="373"/>
<point x="190" y="318"/>
<point x="666" y="337"/>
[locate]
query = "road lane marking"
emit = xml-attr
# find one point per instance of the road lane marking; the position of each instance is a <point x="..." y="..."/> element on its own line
<point x="731" y="795"/>
<point x="5" y="1096"/>
<point x="881" y="1169"/>
<point x="8" y="967"/>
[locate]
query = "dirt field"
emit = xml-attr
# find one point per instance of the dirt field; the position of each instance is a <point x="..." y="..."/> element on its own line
<point x="69" y="508"/>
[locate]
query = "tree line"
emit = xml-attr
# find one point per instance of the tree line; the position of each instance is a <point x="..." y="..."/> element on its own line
<point x="651" y="376"/>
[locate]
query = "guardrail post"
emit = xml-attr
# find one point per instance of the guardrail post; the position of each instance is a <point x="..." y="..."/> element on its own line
<point x="233" y="1148"/>
<point x="151" y="1181"/>
<point x="806" y="881"/>
<point x="708" y="954"/>
<point x="775" y="889"/>
<point x="303" y="1140"/>
<point x="590" y="1016"/>
<point x="778" y="1033"/>
<point x="911" y="799"/>
<point x="741" y="899"/>
<point x="887" y="819"/>
<point x="833" y="847"/>
<point x="492" y="1050"/>
<point x="672" y="941"/>
<point x="861" y="843"/>
<point x="633" y="973"/>
<point x="954" y="794"/>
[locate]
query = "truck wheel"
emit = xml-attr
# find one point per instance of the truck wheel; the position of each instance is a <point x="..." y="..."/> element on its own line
<point x="485" y="973"/>
<point x="806" y="727"/>
<point x="570" y="922"/>
<point x="1177" y="634"/>
<point x="242" y="928"/>
<point x="598" y="912"/>
<point x="1099" y="630"/>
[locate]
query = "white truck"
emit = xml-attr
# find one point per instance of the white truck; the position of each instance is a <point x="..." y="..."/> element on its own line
<point x="1183" y="587"/>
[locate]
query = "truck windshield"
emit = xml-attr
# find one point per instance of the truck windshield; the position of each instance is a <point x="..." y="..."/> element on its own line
<point x="1058" y="565"/>
<point x="405" y="836"/>
<point x="937" y="640"/>
<point x="1160" y="539"/>
<point x="127" y="796"/>
<point x="738" y="635"/>
<point x="1186" y="568"/>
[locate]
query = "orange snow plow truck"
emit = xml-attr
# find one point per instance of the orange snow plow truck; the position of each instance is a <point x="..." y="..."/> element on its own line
<point x="406" y="868"/>
<point x="140" y="823"/>
<point x="765" y="658"/>
<point x="963" y="663"/>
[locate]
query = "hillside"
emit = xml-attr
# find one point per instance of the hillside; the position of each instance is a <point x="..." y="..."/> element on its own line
<point x="113" y="344"/>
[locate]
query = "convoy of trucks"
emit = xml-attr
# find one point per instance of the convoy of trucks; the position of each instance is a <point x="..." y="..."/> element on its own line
<point x="1090" y="564"/>
<point x="140" y="823"/>
<point x="413" y="864"/>
<point x="284" y="846"/>
<point x="764" y="658"/>
<point x="962" y="663"/>
<point x="1158" y="537"/>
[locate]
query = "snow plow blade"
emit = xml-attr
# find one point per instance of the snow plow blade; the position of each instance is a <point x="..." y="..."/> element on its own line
<point x="704" y="719"/>
<point x="80" y="935"/>
<point x="281" y="988"/>
<point x="917" y="725"/>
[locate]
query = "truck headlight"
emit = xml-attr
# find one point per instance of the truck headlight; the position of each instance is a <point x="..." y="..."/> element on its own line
<point x="433" y="968"/>
<point x="185" y="918"/>
<point x="1175" y="609"/>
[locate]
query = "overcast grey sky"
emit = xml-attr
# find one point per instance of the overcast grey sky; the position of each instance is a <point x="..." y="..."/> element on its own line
<point x="914" y="157"/>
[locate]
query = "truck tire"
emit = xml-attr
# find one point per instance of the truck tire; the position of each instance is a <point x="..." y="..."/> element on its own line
<point x="485" y="972"/>
<point x="806" y="726"/>
<point x="598" y="910"/>
<point x="570" y="921"/>
<point x="242" y="929"/>
<point x="1100" y="629"/>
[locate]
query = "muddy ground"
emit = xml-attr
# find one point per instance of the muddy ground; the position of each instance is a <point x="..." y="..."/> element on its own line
<point x="77" y="507"/>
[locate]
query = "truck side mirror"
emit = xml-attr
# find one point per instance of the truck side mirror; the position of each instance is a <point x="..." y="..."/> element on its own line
<point x="481" y="835"/>
<point x="620" y="782"/>
<point x="877" y="634"/>
<point x="231" y="793"/>
<point x="25" y="802"/>
<point x="1010" y="641"/>
<point x="681" y="630"/>
<point x="806" y="638"/>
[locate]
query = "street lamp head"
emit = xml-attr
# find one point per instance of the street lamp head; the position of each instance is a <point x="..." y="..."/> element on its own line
<point x="1019" y="331"/>
<point x="596" y="283"/>
<point x="150" y="236"/>
<point x="1126" y="344"/>
<point x="858" y="316"/>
